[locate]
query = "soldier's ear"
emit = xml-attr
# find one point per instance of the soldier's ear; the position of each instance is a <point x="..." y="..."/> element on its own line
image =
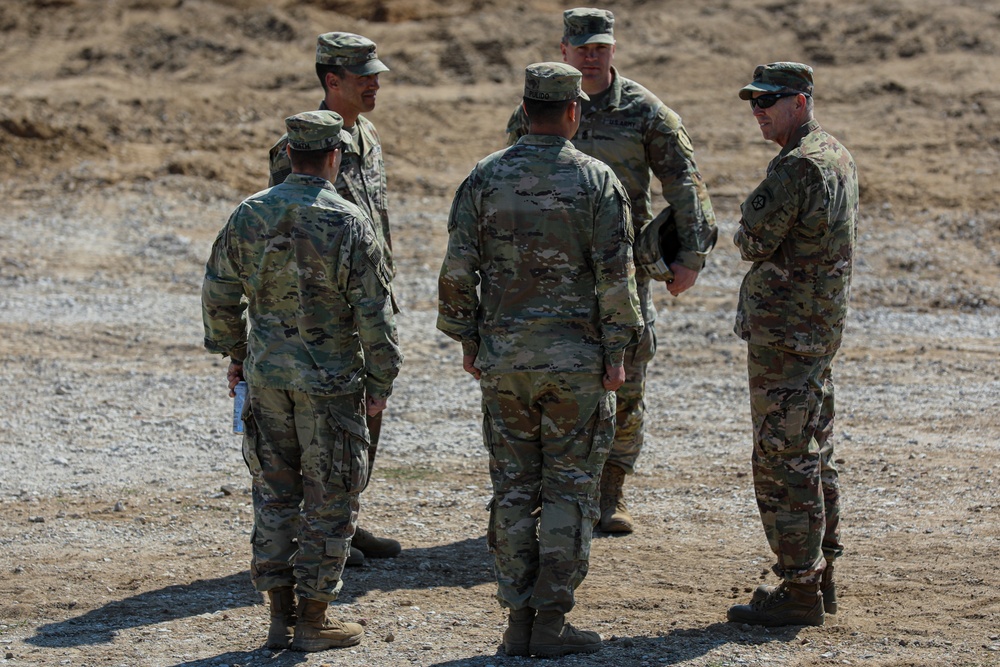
<point x="573" y="110"/>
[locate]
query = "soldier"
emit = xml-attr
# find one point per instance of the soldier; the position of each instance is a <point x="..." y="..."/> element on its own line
<point x="799" y="230"/>
<point x="348" y="67"/>
<point x="539" y="287"/>
<point x="296" y="293"/>
<point x="627" y="127"/>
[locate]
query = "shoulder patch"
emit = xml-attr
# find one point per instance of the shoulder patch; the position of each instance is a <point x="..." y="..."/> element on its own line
<point x="759" y="201"/>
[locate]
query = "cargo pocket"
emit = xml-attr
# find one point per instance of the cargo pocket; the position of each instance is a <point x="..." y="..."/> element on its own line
<point x="350" y="451"/>
<point x="590" y="513"/>
<point x="251" y="442"/>
<point x="603" y="434"/>
<point x="328" y="576"/>
<point x="645" y="349"/>
<point x="490" y="433"/>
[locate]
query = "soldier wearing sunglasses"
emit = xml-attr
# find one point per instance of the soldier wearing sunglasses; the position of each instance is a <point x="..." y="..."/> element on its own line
<point x="798" y="228"/>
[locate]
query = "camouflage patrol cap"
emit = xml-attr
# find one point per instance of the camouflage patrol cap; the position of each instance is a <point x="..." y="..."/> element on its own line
<point x="314" y="130"/>
<point x="783" y="77"/>
<point x="586" y="25"/>
<point x="552" y="82"/>
<point x="354" y="53"/>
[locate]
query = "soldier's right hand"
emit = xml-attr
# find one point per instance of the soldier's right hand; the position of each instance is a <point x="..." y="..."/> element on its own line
<point x="614" y="377"/>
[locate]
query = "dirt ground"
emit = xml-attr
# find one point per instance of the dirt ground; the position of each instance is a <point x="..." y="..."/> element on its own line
<point x="130" y="128"/>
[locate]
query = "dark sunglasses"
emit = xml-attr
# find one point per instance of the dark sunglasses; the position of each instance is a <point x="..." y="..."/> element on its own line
<point x="768" y="101"/>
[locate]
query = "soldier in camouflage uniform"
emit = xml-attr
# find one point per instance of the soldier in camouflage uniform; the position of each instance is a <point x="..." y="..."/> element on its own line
<point x="538" y="285"/>
<point x="628" y="128"/>
<point x="296" y="293"/>
<point x="799" y="230"/>
<point x="348" y="68"/>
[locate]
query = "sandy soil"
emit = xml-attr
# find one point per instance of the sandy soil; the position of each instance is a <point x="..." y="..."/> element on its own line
<point x="128" y="131"/>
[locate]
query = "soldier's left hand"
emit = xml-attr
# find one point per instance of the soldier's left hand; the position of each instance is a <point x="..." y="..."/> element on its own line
<point x="234" y="375"/>
<point x="469" y="365"/>
<point x="684" y="279"/>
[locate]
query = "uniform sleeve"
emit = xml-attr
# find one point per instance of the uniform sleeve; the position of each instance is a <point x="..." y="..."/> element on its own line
<point x="279" y="166"/>
<point x="614" y="268"/>
<point x="368" y="293"/>
<point x="517" y="126"/>
<point x="670" y="154"/>
<point x="770" y="212"/>
<point x="458" y="298"/>
<point x="222" y="303"/>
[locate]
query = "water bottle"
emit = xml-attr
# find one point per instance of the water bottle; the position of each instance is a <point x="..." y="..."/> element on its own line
<point x="238" y="402"/>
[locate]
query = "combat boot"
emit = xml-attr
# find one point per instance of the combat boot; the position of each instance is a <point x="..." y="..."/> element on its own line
<point x="614" y="513"/>
<point x="355" y="558"/>
<point x="787" y="604"/>
<point x="517" y="636"/>
<point x="282" y="601"/>
<point x="552" y="636"/>
<point x="315" y="632"/>
<point x="827" y="587"/>
<point x="374" y="547"/>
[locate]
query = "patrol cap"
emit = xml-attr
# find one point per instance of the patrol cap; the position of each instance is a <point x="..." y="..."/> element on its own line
<point x="552" y="82"/>
<point x="782" y="77"/>
<point x="586" y="25"/>
<point x="353" y="52"/>
<point x="314" y="130"/>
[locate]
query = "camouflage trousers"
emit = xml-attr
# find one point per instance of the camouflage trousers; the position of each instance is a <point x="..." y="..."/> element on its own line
<point x="308" y="456"/>
<point x="795" y="476"/>
<point x="548" y="435"/>
<point x="630" y="402"/>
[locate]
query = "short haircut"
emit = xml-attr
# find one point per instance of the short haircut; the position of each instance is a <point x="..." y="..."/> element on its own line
<point x="544" y="111"/>
<point x="322" y="70"/>
<point x="309" y="160"/>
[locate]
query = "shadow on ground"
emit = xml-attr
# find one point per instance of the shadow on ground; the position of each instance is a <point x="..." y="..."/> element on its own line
<point x="460" y="564"/>
<point x="99" y="626"/>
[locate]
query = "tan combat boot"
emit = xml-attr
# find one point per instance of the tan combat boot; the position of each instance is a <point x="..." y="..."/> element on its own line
<point x="282" y="600"/>
<point x="827" y="587"/>
<point x="315" y="632"/>
<point x="374" y="547"/>
<point x="787" y="604"/>
<point x="552" y="636"/>
<point x="614" y="513"/>
<point x="517" y="636"/>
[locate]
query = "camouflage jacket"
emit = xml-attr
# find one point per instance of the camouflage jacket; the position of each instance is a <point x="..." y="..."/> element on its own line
<point x="361" y="180"/>
<point x="297" y="285"/>
<point x="799" y="228"/>
<point x="544" y="232"/>
<point x="640" y="137"/>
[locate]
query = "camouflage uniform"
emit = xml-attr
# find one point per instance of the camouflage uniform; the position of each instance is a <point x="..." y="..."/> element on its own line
<point x="799" y="230"/>
<point x="361" y="179"/>
<point x="632" y="131"/>
<point x="296" y="283"/>
<point x="546" y="229"/>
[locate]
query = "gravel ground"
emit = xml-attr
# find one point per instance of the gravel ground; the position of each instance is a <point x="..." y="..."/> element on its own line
<point x="126" y="509"/>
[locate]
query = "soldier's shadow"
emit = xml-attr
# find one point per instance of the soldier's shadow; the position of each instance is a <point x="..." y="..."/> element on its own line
<point x="99" y="626"/>
<point x="465" y="564"/>
<point x="679" y="645"/>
